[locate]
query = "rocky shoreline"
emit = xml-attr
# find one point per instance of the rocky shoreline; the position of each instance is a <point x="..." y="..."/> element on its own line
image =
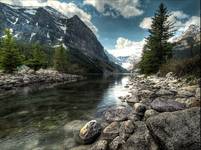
<point x="164" y="115"/>
<point x="28" y="77"/>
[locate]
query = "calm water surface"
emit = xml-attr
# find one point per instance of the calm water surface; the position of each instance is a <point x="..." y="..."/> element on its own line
<point x="34" y="117"/>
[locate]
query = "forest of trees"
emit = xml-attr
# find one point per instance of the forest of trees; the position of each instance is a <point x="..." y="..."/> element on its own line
<point x="13" y="54"/>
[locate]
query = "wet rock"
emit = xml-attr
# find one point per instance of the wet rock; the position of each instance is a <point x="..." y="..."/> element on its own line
<point x="133" y="116"/>
<point x="116" y="143"/>
<point x="126" y="128"/>
<point x="100" y="145"/>
<point x="140" y="139"/>
<point x="119" y="113"/>
<point x="90" y="131"/>
<point x="150" y="113"/>
<point x="69" y="143"/>
<point x="111" y="131"/>
<point x="133" y="99"/>
<point x="177" y="130"/>
<point x="166" y="105"/>
<point x="140" y="108"/>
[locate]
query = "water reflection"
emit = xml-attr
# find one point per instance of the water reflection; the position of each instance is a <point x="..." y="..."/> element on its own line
<point x="34" y="116"/>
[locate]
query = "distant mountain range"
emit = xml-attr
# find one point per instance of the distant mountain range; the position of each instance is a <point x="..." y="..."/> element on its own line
<point x="49" y="27"/>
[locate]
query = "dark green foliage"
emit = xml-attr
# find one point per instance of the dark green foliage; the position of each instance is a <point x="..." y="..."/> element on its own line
<point x="157" y="50"/>
<point x="37" y="58"/>
<point x="10" y="56"/>
<point x="182" y="67"/>
<point x="61" y="59"/>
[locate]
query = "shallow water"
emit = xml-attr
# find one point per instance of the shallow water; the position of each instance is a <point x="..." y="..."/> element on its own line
<point x="36" y="118"/>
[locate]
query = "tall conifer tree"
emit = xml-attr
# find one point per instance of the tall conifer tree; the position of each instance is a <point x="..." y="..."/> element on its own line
<point x="61" y="59"/>
<point x="10" y="55"/>
<point x="157" y="49"/>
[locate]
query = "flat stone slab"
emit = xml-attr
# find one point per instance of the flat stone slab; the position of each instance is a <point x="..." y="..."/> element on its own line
<point x="167" y="105"/>
<point x="118" y="113"/>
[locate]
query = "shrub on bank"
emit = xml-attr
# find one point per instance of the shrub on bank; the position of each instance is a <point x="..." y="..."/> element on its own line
<point x="182" y="67"/>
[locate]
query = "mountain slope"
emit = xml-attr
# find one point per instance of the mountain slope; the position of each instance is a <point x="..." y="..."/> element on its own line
<point x="47" y="26"/>
<point x="188" y="44"/>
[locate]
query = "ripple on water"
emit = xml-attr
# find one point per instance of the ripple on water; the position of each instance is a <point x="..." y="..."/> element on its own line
<point x="48" y="118"/>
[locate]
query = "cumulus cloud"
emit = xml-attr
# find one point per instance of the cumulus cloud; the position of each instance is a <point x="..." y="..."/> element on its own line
<point x="146" y="23"/>
<point x="176" y="17"/>
<point x="126" y="8"/>
<point x="182" y="21"/>
<point x="126" y="47"/>
<point x="68" y="9"/>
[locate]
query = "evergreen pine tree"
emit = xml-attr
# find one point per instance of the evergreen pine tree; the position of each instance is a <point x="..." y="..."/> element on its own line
<point x="157" y="49"/>
<point x="10" y="55"/>
<point x="38" y="58"/>
<point x="61" y="59"/>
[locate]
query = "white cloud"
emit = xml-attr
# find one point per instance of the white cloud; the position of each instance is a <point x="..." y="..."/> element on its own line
<point x="126" y="47"/>
<point x="126" y="8"/>
<point x="176" y="16"/>
<point x="193" y="20"/>
<point x="179" y="14"/>
<point x="146" y="23"/>
<point x="68" y="9"/>
<point x="182" y="22"/>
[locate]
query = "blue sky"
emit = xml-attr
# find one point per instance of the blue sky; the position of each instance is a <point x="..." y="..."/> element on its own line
<point x="110" y="28"/>
<point x="122" y="25"/>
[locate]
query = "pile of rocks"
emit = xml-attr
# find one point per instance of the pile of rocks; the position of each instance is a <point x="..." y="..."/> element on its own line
<point x="164" y="113"/>
<point x="28" y="76"/>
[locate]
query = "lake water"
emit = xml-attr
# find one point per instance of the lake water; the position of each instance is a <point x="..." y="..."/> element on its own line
<point x="33" y="118"/>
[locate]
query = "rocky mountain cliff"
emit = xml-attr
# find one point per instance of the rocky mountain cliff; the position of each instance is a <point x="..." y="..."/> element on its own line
<point x="47" y="26"/>
<point x="188" y="44"/>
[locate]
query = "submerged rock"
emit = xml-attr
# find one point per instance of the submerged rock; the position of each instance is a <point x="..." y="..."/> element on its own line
<point x="74" y="126"/>
<point x="166" y="105"/>
<point x="100" y="145"/>
<point x="90" y="131"/>
<point x="177" y="130"/>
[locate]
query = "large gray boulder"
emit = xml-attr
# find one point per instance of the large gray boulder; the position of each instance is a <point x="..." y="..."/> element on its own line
<point x="166" y="105"/>
<point x="177" y="130"/>
<point x="140" y="139"/>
